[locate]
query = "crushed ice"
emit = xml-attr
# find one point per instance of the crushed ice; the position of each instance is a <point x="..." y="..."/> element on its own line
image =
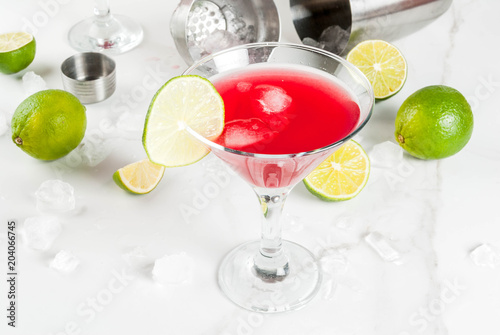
<point x="239" y="134"/>
<point x="136" y="258"/>
<point x="335" y="265"/>
<point x="386" y="154"/>
<point x="55" y="196"/>
<point x="40" y="232"/>
<point x="381" y="245"/>
<point x="272" y="105"/>
<point x="219" y="40"/>
<point x="65" y="261"/>
<point x="272" y="99"/>
<point x="33" y="83"/>
<point x="92" y="151"/>
<point x="175" y="269"/>
<point x="486" y="255"/>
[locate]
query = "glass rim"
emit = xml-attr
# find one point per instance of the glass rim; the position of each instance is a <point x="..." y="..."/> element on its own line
<point x="329" y="54"/>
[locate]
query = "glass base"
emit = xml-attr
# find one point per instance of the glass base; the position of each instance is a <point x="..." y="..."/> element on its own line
<point x="240" y="282"/>
<point x="114" y="35"/>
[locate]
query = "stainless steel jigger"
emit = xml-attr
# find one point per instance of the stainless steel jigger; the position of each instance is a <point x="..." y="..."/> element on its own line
<point x="338" y="25"/>
<point x="201" y="27"/>
<point x="90" y="76"/>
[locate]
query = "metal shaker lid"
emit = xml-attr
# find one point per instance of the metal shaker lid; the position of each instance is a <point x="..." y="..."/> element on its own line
<point x="338" y="25"/>
<point x="202" y="27"/>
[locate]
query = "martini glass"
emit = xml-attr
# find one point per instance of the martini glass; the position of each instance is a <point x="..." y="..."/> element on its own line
<point x="271" y="274"/>
<point x="112" y="34"/>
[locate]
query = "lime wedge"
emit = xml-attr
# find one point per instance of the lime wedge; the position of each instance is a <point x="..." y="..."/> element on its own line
<point x="263" y="206"/>
<point x="383" y="65"/>
<point x="184" y="100"/>
<point x="139" y="177"/>
<point x="342" y="175"/>
<point x="17" y="51"/>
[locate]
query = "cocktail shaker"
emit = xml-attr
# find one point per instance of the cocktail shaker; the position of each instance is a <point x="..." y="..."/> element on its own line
<point x="201" y="27"/>
<point x="338" y="25"/>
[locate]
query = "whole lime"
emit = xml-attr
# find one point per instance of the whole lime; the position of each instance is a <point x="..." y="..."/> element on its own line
<point x="17" y="51"/>
<point x="49" y="124"/>
<point x="434" y="122"/>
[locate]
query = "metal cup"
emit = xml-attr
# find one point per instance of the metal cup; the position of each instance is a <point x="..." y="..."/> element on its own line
<point x="201" y="27"/>
<point x="90" y="76"/>
<point x="338" y="25"/>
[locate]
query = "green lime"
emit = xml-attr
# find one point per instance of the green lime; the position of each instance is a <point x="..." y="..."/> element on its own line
<point x="342" y="175"/>
<point x="49" y="124"/>
<point x="183" y="101"/>
<point x="383" y="65"/>
<point x="140" y="177"/>
<point x="17" y="51"/>
<point x="434" y="122"/>
<point x="263" y="206"/>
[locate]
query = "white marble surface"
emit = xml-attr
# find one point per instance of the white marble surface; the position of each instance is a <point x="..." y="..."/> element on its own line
<point x="433" y="212"/>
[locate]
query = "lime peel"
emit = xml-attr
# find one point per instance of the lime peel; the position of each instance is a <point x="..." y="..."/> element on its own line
<point x="184" y="101"/>
<point x="342" y="175"/>
<point x="17" y="51"/>
<point x="435" y="122"/>
<point x="49" y="124"/>
<point x="140" y="177"/>
<point x="383" y="65"/>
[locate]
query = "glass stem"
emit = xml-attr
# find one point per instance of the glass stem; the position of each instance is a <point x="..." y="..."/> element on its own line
<point x="101" y="10"/>
<point x="271" y="263"/>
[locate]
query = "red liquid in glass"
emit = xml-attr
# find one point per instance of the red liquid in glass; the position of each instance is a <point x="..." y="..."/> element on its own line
<point x="278" y="110"/>
<point x="284" y="111"/>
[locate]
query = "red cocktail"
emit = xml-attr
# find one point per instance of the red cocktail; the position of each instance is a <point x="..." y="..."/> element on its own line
<point x="282" y="110"/>
<point x="287" y="107"/>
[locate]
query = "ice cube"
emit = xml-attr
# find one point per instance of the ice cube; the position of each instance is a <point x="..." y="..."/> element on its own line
<point x="271" y="99"/>
<point x="247" y="34"/>
<point x="33" y="83"/>
<point x="348" y="221"/>
<point x="40" y="232"/>
<point x="173" y="269"/>
<point x="136" y="258"/>
<point x="65" y="262"/>
<point x="272" y="105"/>
<point x="195" y="51"/>
<point x="219" y="40"/>
<point x="130" y="122"/>
<point x="486" y="255"/>
<point x="229" y="14"/>
<point x="238" y="26"/>
<point x="248" y="134"/>
<point x="334" y="39"/>
<point x="329" y="288"/>
<point x="386" y="154"/>
<point x="243" y="86"/>
<point x="3" y="123"/>
<point x="55" y="196"/>
<point x="93" y="150"/>
<point x="334" y="263"/>
<point x="311" y="42"/>
<point x="381" y="245"/>
<point x="90" y="152"/>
